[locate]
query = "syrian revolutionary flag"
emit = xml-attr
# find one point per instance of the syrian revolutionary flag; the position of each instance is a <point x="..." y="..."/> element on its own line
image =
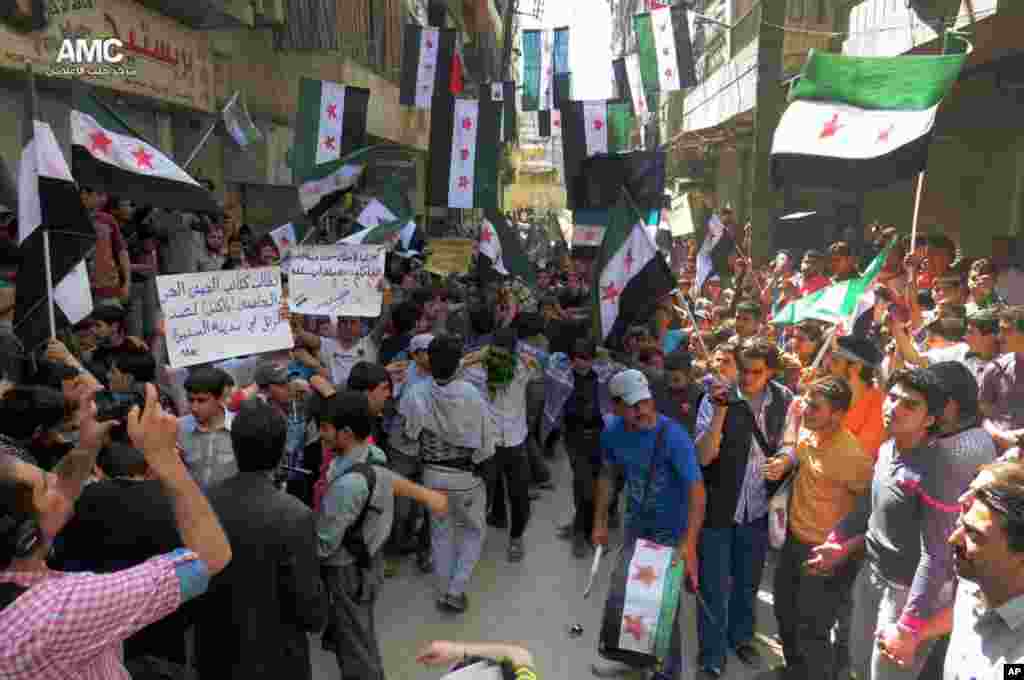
<point x="642" y="603"/>
<point x="510" y="246"/>
<point x="48" y="197"/>
<point x="631" y="274"/>
<point x="589" y="227"/>
<point x="559" y="91"/>
<point x="861" y="122"/>
<point x="490" y="246"/>
<point x="329" y="127"/>
<point x="549" y="123"/>
<point x="713" y="256"/>
<point x="842" y="303"/>
<point x="107" y="155"/>
<point x="427" y="63"/>
<point x="463" y="167"/>
<point x="590" y="128"/>
<point x="664" y="49"/>
<point x="239" y="124"/>
<point x="538" y="69"/>
<point x="503" y="96"/>
<point x="393" y="234"/>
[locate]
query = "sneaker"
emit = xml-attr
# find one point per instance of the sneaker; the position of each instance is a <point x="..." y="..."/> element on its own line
<point x="516" y="550"/>
<point x="457" y="603"/>
<point x="497" y="522"/>
<point x="749" y="654"/>
<point x="546" y="485"/>
<point x="610" y="669"/>
<point x="533" y="494"/>
<point x="710" y="672"/>
<point x="579" y="546"/>
<point x="425" y="562"/>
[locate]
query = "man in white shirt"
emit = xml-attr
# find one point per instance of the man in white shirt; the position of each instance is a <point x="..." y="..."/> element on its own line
<point x="339" y="354"/>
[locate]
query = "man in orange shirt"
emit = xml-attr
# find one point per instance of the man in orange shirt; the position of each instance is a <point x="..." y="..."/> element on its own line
<point x="831" y="473"/>
<point x="855" y="360"/>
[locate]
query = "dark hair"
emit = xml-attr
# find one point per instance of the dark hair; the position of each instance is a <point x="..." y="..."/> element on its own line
<point x="51" y="374"/>
<point x="814" y="255"/>
<point x="840" y="249"/>
<point x="349" y="410"/>
<point x="761" y="349"/>
<point x="679" y="360"/>
<point x="583" y="347"/>
<point x="109" y="314"/>
<point x="138" y="363"/>
<point x="121" y="460"/>
<point x="445" y="353"/>
<point x="481" y="319"/>
<point x="258" y="435"/>
<point x="1004" y="495"/>
<point x="812" y="331"/>
<point x="405" y="315"/>
<point x="24" y="409"/>
<point x="836" y="392"/>
<point x="923" y="381"/>
<point x="748" y="307"/>
<point x="505" y="338"/>
<point x="207" y="380"/>
<point x="367" y="376"/>
<point x="421" y="296"/>
<point x="529" y="324"/>
<point x="960" y="385"/>
<point x="941" y="242"/>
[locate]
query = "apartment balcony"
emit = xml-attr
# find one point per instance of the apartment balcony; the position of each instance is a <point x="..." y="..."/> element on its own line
<point x="882" y="28"/>
<point x="220" y="14"/>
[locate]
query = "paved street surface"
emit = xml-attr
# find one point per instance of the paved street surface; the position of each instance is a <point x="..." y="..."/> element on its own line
<point x="533" y="602"/>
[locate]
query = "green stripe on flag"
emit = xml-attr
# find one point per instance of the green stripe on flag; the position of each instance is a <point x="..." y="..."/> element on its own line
<point x="108" y="119"/>
<point x="903" y="83"/>
<point x="647" y="51"/>
<point x="307" y="129"/>
<point x="488" y="146"/>
<point x="531" y="70"/>
<point x="620" y="126"/>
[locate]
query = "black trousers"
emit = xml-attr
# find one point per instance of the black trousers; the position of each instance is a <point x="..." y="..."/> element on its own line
<point x="584" y="449"/>
<point x="511" y="473"/>
<point x="806" y="607"/>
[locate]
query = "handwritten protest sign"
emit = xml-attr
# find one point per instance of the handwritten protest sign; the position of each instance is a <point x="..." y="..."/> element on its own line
<point x="450" y="256"/>
<point x="217" y="315"/>
<point x="338" y="280"/>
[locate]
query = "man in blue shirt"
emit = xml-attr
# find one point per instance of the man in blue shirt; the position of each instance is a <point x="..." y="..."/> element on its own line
<point x="661" y="480"/>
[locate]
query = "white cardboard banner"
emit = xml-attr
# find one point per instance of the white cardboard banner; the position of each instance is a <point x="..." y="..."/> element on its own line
<point x="338" y="280"/>
<point x="217" y="315"/>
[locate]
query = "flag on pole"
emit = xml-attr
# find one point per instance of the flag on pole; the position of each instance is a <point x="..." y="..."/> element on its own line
<point x="631" y="274"/>
<point x="643" y="173"/>
<point x="861" y="122"/>
<point x="330" y="133"/>
<point x="589" y="227"/>
<point x="513" y="256"/>
<point x="107" y="155"/>
<point x="714" y="251"/>
<point x="490" y="247"/>
<point x="239" y="124"/>
<point x="427" y="65"/>
<point x="393" y="234"/>
<point x="48" y="197"/>
<point x="842" y="302"/>
<point x="463" y="164"/>
<point x="664" y="49"/>
<point x="590" y="128"/>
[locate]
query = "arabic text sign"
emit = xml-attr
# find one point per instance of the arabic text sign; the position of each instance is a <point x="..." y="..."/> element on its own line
<point x="450" y="256"/>
<point x="217" y="315"/>
<point x="338" y="280"/>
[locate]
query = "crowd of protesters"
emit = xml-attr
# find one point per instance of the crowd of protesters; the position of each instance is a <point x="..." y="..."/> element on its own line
<point x="247" y="504"/>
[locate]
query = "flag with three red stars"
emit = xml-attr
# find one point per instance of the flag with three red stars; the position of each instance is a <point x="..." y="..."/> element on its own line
<point x="861" y="122"/>
<point x="631" y="274"/>
<point x="107" y="155"/>
<point x="465" y="138"/>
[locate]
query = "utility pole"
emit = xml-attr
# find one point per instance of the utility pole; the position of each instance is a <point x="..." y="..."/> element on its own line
<point x="511" y="7"/>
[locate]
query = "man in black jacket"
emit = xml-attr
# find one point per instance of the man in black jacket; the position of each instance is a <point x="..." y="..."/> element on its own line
<point x="256" y="614"/>
<point x="734" y="541"/>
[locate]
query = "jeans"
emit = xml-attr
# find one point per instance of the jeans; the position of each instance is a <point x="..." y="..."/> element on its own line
<point x="457" y="539"/>
<point x="583" y="447"/>
<point x="806" y="607"/>
<point x="512" y="472"/>
<point x="407" y="511"/>
<point x="731" y="563"/>
<point x="353" y="592"/>
<point x="539" y="471"/>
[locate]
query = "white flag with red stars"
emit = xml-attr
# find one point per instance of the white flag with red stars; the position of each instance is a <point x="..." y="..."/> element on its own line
<point x="490" y="246"/>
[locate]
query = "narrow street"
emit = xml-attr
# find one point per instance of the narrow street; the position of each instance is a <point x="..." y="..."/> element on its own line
<point x="533" y="602"/>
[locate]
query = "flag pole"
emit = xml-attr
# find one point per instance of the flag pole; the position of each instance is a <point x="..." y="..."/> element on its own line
<point x="30" y="117"/>
<point x="209" y="131"/>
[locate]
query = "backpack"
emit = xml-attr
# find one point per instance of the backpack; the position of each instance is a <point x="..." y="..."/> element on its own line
<point x="353" y="540"/>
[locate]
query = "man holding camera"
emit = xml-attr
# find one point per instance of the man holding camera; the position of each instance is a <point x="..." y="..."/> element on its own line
<point x="55" y="624"/>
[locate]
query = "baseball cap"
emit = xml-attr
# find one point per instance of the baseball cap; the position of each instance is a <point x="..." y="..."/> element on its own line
<point x="859" y="349"/>
<point x="420" y="343"/>
<point x="630" y="386"/>
<point x="269" y="373"/>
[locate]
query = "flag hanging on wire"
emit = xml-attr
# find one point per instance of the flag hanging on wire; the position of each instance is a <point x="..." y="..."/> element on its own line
<point x="664" y="49"/>
<point x="590" y="128"/>
<point x="463" y="164"/>
<point x="427" y="65"/>
<point x="559" y="92"/>
<point x="238" y="123"/>
<point x="503" y="96"/>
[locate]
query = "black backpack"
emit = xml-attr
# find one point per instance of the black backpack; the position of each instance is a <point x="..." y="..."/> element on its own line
<point x="353" y="540"/>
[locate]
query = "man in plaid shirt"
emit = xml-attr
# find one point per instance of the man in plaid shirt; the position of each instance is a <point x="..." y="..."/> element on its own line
<point x="64" y="625"/>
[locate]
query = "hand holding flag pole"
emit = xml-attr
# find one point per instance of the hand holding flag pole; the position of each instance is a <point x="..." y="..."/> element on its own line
<point x="209" y="131"/>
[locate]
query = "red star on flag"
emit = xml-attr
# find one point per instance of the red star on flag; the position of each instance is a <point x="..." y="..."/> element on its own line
<point x="485" y="235"/>
<point x="611" y="292"/>
<point x="668" y="73"/>
<point x="634" y="625"/>
<point x="463" y="182"/>
<point x="629" y="260"/>
<point x="464" y="153"/>
<point x="598" y="124"/>
<point x="332" y="111"/>
<point x="883" y="136"/>
<point x="285" y="242"/>
<point x="663" y="28"/>
<point x="550" y="70"/>
<point x="831" y="127"/>
<point x="647" y="575"/>
<point x="666" y="51"/>
<point x="100" y="141"/>
<point x="143" y="158"/>
<point x="467" y="123"/>
<point x="557" y="122"/>
<point x="329" y="143"/>
<point x="430" y="43"/>
<point x="590" y="235"/>
<point x="429" y="66"/>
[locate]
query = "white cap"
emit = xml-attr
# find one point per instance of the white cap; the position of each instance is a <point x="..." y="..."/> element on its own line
<point x="630" y="386"/>
<point x="420" y="343"/>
